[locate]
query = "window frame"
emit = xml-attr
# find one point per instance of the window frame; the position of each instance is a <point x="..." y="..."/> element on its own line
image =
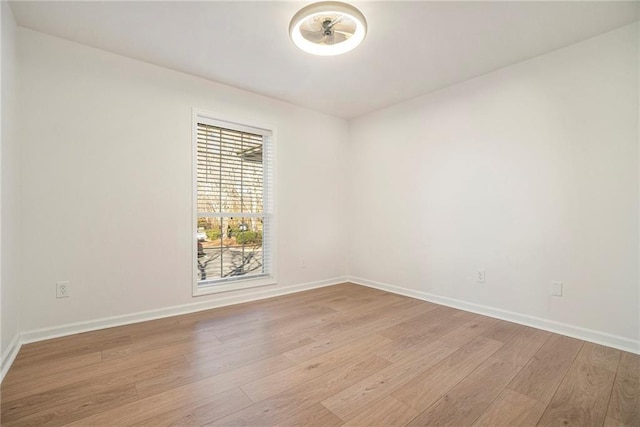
<point x="269" y="205"/>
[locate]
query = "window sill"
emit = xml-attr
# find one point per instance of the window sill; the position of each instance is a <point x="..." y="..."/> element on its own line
<point x="233" y="286"/>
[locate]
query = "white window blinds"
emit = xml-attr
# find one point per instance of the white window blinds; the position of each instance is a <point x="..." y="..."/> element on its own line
<point x="233" y="170"/>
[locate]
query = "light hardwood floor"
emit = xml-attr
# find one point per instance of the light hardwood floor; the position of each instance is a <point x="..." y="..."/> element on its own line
<point x="340" y="355"/>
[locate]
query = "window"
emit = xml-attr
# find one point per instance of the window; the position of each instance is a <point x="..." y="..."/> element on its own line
<point x="233" y="226"/>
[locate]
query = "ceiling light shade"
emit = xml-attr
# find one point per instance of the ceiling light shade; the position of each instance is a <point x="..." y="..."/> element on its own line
<point x="328" y="28"/>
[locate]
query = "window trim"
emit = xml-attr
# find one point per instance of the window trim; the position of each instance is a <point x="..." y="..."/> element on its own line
<point x="214" y="119"/>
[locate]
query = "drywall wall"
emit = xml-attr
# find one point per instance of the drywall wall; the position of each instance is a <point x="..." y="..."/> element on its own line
<point x="529" y="173"/>
<point x="526" y="173"/>
<point x="106" y="183"/>
<point x="9" y="215"/>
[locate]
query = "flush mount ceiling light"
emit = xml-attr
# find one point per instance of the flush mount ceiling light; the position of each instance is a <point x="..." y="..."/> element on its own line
<point x="328" y="28"/>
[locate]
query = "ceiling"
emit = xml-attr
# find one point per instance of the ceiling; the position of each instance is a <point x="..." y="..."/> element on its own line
<point x="412" y="48"/>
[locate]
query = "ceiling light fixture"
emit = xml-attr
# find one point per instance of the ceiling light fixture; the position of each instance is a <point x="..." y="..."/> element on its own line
<point x="328" y="28"/>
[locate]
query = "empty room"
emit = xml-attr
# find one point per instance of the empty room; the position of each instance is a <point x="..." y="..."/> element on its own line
<point x="367" y="213"/>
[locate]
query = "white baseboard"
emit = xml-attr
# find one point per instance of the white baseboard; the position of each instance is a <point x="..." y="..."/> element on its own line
<point x="549" y="325"/>
<point x="109" y="322"/>
<point x="585" y="334"/>
<point x="9" y="355"/>
<point x="35" y="335"/>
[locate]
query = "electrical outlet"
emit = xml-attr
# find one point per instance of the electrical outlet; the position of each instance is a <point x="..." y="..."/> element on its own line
<point x="62" y="290"/>
<point x="481" y="277"/>
<point x="303" y="263"/>
<point x="556" y="289"/>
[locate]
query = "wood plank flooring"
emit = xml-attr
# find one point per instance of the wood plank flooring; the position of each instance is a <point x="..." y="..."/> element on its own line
<point x="340" y="355"/>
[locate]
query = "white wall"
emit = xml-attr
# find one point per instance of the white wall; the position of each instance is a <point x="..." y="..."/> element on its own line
<point x="529" y="172"/>
<point x="106" y="182"/>
<point x="9" y="158"/>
